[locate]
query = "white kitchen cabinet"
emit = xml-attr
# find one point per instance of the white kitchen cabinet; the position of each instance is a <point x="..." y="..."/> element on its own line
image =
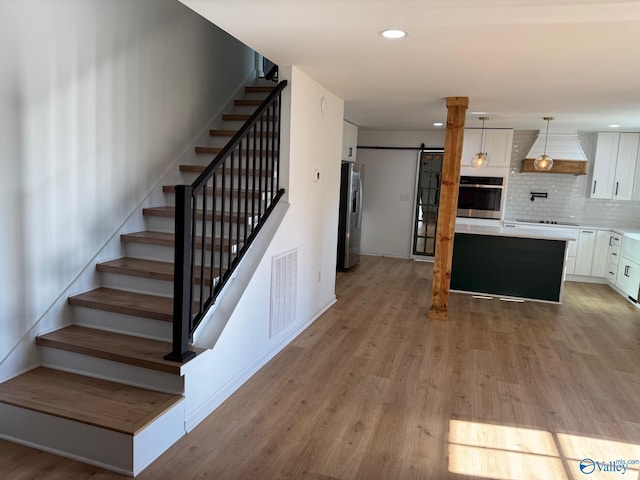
<point x="615" y="165"/>
<point x="584" y="255"/>
<point x="349" y="141"/>
<point x="497" y="145"/>
<point x="591" y="252"/>
<point x="628" y="278"/>
<point x="613" y="257"/>
<point x="601" y="253"/>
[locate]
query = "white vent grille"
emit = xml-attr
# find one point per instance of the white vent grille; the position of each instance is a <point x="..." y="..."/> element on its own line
<point x="284" y="268"/>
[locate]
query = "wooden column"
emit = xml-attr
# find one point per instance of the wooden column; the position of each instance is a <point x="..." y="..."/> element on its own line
<point x="456" y="113"/>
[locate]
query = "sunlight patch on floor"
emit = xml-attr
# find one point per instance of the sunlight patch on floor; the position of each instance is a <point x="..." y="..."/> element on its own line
<point x="606" y="452"/>
<point x="504" y="452"/>
<point x="504" y="465"/>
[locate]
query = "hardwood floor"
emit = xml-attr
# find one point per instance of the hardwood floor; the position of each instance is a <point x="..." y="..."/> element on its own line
<point x="376" y="390"/>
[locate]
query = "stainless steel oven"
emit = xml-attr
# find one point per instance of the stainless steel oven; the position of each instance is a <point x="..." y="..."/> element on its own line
<point x="480" y="197"/>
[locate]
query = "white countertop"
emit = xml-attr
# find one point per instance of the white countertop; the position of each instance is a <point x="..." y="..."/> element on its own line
<point x="620" y="230"/>
<point x="552" y="233"/>
<point x="626" y="230"/>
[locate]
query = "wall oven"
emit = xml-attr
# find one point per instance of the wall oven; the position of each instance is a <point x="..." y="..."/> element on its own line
<point x="480" y="197"/>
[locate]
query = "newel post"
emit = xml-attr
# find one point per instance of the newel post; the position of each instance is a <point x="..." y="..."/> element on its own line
<point x="456" y="113"/>
<point x="182" y="277"/>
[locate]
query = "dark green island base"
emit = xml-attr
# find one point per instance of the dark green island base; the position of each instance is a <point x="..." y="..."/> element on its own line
<point x="527" y="268"/>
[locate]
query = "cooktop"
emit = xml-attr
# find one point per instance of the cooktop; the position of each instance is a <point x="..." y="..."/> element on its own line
<point x="548" y="222"/>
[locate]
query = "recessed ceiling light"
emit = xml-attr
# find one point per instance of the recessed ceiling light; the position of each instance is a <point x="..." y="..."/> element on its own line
<point x="479" y="113"/>
<point x="614" y="125"/>
<point x="438" y="124"/>
<point x="393" y="33"/>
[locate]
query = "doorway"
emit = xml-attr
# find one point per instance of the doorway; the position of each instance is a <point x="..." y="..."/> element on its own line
<point x="429" y="178"/>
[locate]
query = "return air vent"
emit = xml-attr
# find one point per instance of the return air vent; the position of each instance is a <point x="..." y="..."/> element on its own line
<point x="284" y="268"/>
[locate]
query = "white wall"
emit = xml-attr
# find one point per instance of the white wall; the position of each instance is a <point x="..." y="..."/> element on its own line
<point x="310" y="140"/>
<point x="397" y="138"/>
<point x="389" y="188"/>
<point x="97" y="99"/>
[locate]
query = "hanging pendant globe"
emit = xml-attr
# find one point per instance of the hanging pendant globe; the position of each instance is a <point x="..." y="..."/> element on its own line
<point x="479" y="160"/>
<point x="543" y="163"/>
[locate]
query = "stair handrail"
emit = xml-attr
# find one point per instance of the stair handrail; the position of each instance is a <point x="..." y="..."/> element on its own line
<point x="185" y="321"/>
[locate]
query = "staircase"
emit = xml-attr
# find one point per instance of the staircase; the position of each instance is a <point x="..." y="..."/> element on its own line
<point x="105" y="394"/>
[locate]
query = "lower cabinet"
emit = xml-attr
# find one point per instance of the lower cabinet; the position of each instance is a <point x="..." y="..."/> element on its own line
<point x="585" y="252"/>
<point x="601" y="250"/>
<point x="588" y="255"/>
<point x="628" y="278"/>
<point x="613" y="257"/>
<point x="592" y="253"/>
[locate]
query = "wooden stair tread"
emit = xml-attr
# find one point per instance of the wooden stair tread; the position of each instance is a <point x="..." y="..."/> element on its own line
<point x="138" y="267"/>
<point x="236" y="171"/>
<point x="150" y="237"/>
<point x="165" y="239"/>
<point x="129" y="303"/>
<point x="241" y="102"/>
<point x="258" y="89"/>
<point x="100" y="403"/>
<point x="236" y="192"/>
<point x="231" y="133"/>
<point x="216" y="150"/>
<point x="138" y="351"/>
<point x="242" y="117"/>
<point x="170" y="212"/>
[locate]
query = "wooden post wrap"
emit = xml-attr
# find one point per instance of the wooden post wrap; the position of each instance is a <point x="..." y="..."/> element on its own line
<point x="456" y="113"/>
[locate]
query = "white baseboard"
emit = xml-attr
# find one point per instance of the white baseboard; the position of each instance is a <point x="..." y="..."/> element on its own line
<point x="585" y="279"/>
<point x="385" y="254"/>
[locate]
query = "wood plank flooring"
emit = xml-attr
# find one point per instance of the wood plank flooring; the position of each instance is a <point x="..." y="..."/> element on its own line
<point x="375" y="390"/>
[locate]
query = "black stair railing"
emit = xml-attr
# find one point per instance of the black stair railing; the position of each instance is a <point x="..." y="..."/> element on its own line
<point x="219" y="215"/>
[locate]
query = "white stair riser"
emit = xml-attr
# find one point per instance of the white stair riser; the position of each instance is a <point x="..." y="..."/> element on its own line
<point x="257" y="95"/>
<point x="222" y="140"/>
<point x="253" y="203"/>
<point x="245" y="109"/>
<point x="113" y="371"/>
<point x="261" y="161"/>
<point x="166" y="254"/>
<point x="137" y="284"/>
<point x="263" y="183"/>
<point x="266" y="126"/>
<point x="93" y="445"/>
<point x="149" y="252"/>
<point x="115" y="451"/>
<point x="167" y="224"/>
<point x="120" y="323"/>
<point x="156" y="438"/>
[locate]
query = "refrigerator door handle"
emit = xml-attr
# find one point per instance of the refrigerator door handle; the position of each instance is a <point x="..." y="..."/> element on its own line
<point x="359" y="222"/>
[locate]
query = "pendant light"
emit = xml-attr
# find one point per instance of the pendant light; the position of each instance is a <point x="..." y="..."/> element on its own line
<point x="544" y="162"/>
<point x="480" y="159"/>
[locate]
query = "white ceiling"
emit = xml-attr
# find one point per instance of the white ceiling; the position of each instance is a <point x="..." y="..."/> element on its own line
<point x="518" y="60"/>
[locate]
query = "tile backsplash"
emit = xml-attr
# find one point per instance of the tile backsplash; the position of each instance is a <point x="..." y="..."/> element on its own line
<point x="568" y="196"/>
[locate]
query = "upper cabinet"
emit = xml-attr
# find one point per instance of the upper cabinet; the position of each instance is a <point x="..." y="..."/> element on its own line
<point x="349" y="141"/>
<point x="497" y="145"/>
<point x="614" y="167"/>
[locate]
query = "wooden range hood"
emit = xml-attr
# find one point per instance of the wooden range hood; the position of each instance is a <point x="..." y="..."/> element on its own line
<point x="565" y="150"/>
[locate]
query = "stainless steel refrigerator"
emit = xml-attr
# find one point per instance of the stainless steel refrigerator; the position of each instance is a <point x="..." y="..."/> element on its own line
<point x="350" y="221"/>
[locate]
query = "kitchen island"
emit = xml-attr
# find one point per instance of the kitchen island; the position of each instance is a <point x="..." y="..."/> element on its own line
<point x="515" y="263"/>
